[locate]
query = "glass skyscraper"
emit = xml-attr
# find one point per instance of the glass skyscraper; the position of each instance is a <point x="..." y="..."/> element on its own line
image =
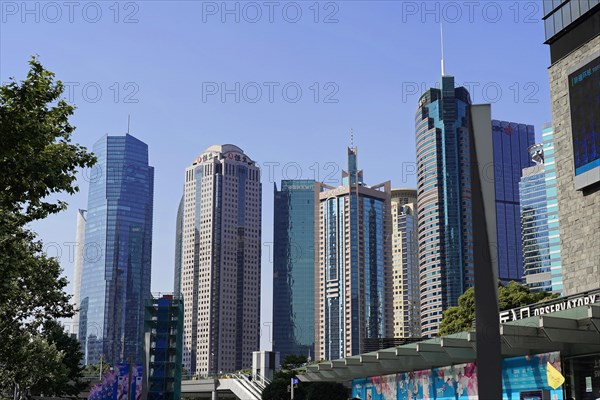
<point x="115" y="279"/>
<point x="511" y="142"/>
<point x="539" y="219"/>
<point x="354" y="282"/>
<point x="293" y="268"/>
<point x="178" y="248"/>
<point x="444" y="213"/>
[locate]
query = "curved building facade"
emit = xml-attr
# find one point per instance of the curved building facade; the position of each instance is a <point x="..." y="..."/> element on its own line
<point x="445" y="234"/>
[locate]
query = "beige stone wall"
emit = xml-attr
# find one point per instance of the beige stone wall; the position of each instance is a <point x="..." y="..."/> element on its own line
<point x="579" y="212"/>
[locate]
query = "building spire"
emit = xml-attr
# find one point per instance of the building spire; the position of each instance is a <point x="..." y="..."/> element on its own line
<point x="128" y="122"/>
<point x="442" y="46"/>
<point x="351" y="138"/>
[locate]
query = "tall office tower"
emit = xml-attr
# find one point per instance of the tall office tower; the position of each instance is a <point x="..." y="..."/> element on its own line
<point x="220" y="273"/>
<point x="353" y="270"/>
<point x="405" y="265"/>
<point x="178" y="248"/>
<point x="293" y="267"/>
<point x="511" y="142"/>
<point x="539" y="220"/>
<point x="553" y="211"/>
<point x="573" y="36"/>
<point x="445" y="223"/>
<point x="115" y="281"/>
<point x="78" y="265"/>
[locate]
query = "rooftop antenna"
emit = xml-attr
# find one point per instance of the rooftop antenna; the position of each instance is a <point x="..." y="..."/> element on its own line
<point x="351" y="138"/>
<point x="442" y="45"/>
<point x="128" y="122"/>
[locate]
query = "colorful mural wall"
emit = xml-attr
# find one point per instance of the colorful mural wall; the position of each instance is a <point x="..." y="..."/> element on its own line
<point x="114" y="384"/>
<point x="459" y="382"/>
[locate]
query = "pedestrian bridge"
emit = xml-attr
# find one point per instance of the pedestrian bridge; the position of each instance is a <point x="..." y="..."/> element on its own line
<point x="233" y="386"/>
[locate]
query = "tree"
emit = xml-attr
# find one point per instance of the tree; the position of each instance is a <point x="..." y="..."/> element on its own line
<point x="278" y="388"/>
<point x="69" y="381"/>
<point x="293" y="361"/>
<point x="462" y="317"/>
<point x="37" y="159"/>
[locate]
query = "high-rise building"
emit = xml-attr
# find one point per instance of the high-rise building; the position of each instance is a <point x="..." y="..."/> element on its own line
<point x="220" y="263"/>
<point x="405" y="265"/>
<point x="163" y="328"/>
<point x="353" y="268"/>
<point x="115" y="279"/>
<point x="539" y="220"/>
<point x="511" y="142"/>
<point x="445" y="223"/>
<point x="294" y="267"/>
<point x="552" y="204"/>
<point x="178" y="248"/>
<point x="573" y="37"/>
<point x="78" y="266"/>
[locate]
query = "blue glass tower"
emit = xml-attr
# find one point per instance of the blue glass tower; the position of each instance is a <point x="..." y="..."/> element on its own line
<point x="355" y="281"/>
<point x="511" y="142"/>
<point x="115" y="280"/>
<point x="293" y="268"/>
<point x="539" y="219"/>
<point x="444" y="213"/>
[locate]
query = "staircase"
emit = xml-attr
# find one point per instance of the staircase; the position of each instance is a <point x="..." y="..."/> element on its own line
<point x="244" y="388"/>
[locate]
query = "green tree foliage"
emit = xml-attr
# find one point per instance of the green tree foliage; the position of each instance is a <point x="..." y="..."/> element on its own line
<point x="293" y="361"/>
<point x="461" y="318"/>
<point x="66" y="380"/>
<point x="37" y="160"/>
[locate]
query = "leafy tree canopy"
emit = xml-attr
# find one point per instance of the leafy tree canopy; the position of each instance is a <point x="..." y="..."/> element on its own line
<point x="293" y="361"/>
<point x="461" y="318"/>
<point x="37" y="159"/>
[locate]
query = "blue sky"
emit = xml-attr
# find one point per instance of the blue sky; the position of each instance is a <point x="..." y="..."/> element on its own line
<point x="297" y="76"/>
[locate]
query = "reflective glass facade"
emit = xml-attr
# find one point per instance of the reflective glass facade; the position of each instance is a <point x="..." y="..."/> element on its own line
<point x="445" y="226"/>
<point x="115" y="280"/>
<point x="178" y="248"/>
<point x="552" y="204"/>
<point x="293" y="268"/>
<point x="354" y="279"/>
<point x="539" y="220"/>
<point x="511" y="142"/>
<point x="559" y="14"/>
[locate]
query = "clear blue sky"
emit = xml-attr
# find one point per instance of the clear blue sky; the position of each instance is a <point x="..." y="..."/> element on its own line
<point x="168" y="60"/>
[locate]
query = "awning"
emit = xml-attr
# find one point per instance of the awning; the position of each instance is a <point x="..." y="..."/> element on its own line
<point x="574" y="331"/>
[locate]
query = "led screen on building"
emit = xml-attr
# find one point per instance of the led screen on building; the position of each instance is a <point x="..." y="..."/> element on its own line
<point x="584" y="100"/>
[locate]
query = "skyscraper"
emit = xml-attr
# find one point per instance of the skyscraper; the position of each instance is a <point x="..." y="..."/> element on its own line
<point x="539" y="220"/>
<point x="220" y="271"/>
<point x="77" y="267"/>
<point x="294" y="267"/>
<point x="178" y="248"/>
<point x="354" y="265"/>
<point x="405" y="265"/>
<point x="115" y="280"/>
<point x="511" y="142"/>
<point x="444" y="214"/>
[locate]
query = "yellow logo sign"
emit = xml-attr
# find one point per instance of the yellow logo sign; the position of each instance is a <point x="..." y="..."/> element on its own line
<point x="555" y="378"/>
